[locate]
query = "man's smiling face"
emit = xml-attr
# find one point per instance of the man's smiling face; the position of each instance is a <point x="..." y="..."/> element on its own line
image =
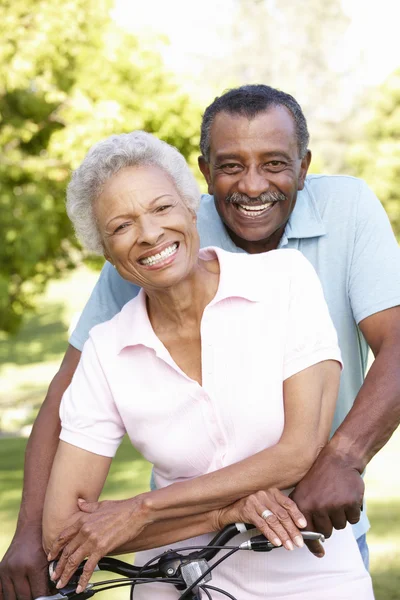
<point x="254" y="173"/>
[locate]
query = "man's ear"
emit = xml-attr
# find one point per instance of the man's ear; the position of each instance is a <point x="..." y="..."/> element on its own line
<point x="305" y="163"/>
<point x="204" y="167"/>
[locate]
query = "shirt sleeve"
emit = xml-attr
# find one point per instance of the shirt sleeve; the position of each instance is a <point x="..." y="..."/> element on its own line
<point x="310" y="334"/>
<point x="374" y="277"/>
<point x="109" y="295"/>
<point x="89" y="416"/>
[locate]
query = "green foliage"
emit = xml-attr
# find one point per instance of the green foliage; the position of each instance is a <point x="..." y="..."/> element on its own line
<point x="377" y="157"/>
<point x="68" y="77"/>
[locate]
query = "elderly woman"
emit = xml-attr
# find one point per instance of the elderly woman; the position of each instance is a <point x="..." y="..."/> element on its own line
<point x="223" y="371"/>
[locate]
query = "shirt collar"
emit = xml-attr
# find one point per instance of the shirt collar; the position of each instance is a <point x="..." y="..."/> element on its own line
<point x="305" y="220"/>
<point x="133" y="324"/>
<point x="134" y="327"/>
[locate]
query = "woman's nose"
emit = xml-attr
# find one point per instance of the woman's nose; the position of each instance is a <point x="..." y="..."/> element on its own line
<point x="150" y="231"/>
<point x="253" y="183"/>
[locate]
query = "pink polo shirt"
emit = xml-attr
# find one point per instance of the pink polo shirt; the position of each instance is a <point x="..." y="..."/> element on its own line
<point x="267" y="321"/>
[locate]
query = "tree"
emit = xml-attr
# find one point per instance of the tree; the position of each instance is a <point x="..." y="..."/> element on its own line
<point x="68" y="77"/>
<point x="376" y="158"/>
<point x="291" y="46"/>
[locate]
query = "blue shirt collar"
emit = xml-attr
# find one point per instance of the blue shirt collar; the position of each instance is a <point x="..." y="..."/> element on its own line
<point x="305" y="220"/>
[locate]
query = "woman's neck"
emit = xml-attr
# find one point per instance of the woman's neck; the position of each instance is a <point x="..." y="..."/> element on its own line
<point x="184" y="303"/>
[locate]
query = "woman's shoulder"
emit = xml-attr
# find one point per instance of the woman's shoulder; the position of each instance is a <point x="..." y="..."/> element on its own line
<point x="106" y="336"/>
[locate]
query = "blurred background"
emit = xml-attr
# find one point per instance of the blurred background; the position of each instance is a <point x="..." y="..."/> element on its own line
<point x="75" y="71"/>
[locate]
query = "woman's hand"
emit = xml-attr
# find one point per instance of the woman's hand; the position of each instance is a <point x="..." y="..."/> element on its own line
<point x="99" y="529"/>
<point x="280" y="528"/>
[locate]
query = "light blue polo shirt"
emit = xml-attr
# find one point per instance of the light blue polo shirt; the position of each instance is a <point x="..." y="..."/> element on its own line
<point x="343" y="230"/>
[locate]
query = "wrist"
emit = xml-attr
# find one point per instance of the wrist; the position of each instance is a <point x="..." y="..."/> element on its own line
<point x="343" y="449"/>
<point x="31" y="526"/>
<point x="143" y="505"/>
<point x="215" y="519"/>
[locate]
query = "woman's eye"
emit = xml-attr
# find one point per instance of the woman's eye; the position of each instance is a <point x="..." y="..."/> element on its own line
<point x="121" y="227"/>
<point x="163" y="207"/>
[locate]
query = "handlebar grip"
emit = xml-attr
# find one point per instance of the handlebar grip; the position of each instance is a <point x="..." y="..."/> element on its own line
<point x="55" y="597"/>
<point x="222" y="538"/>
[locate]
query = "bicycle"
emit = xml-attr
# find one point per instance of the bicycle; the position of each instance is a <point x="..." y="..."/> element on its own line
<point x="189" y="573"/>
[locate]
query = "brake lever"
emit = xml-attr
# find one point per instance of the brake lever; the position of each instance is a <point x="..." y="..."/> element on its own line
<point x="313" y="535"/>
<point x="260" y="543"/>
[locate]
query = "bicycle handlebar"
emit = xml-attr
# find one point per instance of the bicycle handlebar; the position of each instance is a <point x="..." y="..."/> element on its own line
<point x="171" y="564"/>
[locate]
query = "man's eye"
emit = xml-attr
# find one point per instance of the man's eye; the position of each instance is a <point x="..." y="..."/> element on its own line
<point x="230" y="168"/>
<point x="275" y="164"/>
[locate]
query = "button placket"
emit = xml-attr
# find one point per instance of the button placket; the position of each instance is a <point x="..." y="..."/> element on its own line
<point x="208" y="386"/>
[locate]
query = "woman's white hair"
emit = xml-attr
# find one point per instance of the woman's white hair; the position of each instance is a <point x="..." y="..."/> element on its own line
<point x="104" y="160"/>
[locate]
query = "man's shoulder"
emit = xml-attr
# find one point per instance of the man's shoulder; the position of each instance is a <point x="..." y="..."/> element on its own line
<point x="336" y="186"/>
<point x="105" y="335"/>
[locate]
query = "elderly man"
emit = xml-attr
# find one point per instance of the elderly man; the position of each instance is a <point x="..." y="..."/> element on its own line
<point x="255" y="158"/>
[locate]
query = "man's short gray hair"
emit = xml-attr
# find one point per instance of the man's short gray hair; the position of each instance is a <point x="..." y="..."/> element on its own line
<point x="104" y="160"/>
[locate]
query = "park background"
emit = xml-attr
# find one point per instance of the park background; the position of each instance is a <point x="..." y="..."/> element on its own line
<point x="75" y="71"/>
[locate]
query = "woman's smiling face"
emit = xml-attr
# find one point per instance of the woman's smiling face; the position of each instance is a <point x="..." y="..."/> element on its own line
<point x="148" y="232"/>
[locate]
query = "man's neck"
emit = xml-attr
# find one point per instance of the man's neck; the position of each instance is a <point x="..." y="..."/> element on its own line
<point x="259" y="246"/>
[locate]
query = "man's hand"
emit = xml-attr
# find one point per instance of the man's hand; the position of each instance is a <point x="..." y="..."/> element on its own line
<point x="330" y="495"/>
<point x="24" y="567"/>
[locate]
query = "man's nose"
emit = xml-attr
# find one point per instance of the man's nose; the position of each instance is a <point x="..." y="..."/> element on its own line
<point x="150" y="231"/>
<point x="253" y="183"/>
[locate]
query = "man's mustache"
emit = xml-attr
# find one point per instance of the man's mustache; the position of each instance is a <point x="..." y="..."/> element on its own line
<point x="264" y="198"/>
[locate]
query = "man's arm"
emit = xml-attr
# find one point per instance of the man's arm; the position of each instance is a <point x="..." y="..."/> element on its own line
<point x="331" y="493"/>
<point x="24" y="568"/>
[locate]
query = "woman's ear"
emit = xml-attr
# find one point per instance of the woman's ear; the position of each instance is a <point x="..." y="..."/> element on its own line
<point x="107" y="256"/>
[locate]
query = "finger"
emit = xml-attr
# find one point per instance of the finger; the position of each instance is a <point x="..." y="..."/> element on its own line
<point x="262" y="526"/>
<point x="72" y="563"/>
<point x="323" y="524"/>
<point x="22" y="589"/>
<point x="88" y="507"/>
<point x="39" y="585"/>
<point x="282" y="524"/>
<point x="353" y="514"/>
<point x="63" y="539"/>
<point x="272" y="528"/>
<point x="291" y="507"/>
<point x="286" y="531"/>
<point x="338" y="518"/>
<point x="8" y="589"/>
<point x="315" y="547"/>
<point x="87" y="572"/>
<point x="67" y="552"/>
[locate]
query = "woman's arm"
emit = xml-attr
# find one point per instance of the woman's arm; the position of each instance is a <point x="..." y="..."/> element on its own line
<point x="309" y="401"/>
<point x="75" y="474"/>
<point x="309" y="398"/>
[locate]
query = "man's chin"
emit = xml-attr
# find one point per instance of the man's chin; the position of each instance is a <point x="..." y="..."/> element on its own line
<point x="256" y="239"/>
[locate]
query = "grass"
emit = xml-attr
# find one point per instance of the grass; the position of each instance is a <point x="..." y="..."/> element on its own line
<point x="27" y="363"/>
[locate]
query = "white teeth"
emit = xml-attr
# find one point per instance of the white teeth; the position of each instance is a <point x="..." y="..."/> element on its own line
<point x="254" y="210"/>
<point x="151" y="260"/>
<point x="257" y="207"/>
